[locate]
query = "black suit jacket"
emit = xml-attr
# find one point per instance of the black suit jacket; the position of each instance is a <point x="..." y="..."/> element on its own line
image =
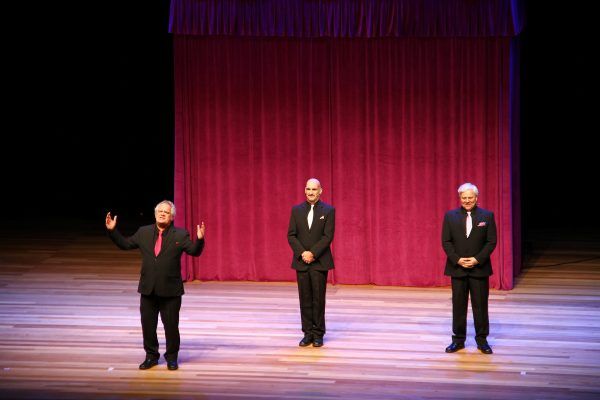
<point x="480" y="243"/>
<point x="317" y="239"/>
<point x="161" y="274"/>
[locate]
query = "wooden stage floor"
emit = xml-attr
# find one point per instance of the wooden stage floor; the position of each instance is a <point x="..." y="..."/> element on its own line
<point x="69" y="329"/>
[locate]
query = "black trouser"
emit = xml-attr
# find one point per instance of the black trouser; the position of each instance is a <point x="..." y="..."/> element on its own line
<point x="479" y="289"/>
<point x="311" y="288"/>
<point x="168" y="308"/>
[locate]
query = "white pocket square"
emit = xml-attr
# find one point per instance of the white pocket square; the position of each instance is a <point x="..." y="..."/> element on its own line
<point x="322" y="217"/>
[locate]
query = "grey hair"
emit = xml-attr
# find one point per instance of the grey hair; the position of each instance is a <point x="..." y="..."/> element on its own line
<point x="170" y="203"/>
<point x="468" y="186"/>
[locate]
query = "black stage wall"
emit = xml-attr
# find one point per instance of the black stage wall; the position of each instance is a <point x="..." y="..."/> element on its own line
<point x="89" y="123"/>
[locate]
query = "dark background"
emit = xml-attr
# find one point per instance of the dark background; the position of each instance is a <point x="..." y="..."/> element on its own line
<point x="91" y="106"/>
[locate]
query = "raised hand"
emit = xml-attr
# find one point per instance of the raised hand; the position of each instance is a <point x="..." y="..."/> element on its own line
<point x="110" y="222"/>
<point x="201" y="229"/>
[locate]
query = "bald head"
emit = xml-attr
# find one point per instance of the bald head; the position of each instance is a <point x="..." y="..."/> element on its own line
<point x="314" y="181"/>
<point x="313" y="190"/>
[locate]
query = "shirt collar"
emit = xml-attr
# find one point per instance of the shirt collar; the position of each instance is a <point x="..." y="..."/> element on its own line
<point x="308" y="204"/>
<point x="165" y="231"/>
<point x="464" y="212"/>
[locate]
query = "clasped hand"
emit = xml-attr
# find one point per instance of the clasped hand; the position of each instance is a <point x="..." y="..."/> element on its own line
<point x="308" y="257"/>
<point x="467" y="262"/>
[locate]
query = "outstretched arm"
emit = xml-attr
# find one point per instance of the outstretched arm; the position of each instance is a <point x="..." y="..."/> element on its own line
<point x="114" y="234"/>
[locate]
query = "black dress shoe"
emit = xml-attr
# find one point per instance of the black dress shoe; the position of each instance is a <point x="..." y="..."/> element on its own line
<point x="306" y="341"/>
<point x="148" y="363"/>
<point x="454" y="347"/>
<point x="172" y="365"/>
<point x="318" y="342"/>
<point x="485" y="349"/>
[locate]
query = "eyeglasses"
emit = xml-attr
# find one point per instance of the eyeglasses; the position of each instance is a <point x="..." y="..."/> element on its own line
<point x="163" y="212"/>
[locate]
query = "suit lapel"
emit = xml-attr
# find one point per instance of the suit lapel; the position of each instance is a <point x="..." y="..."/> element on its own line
<point x="476" y="217"/>
<point x="461" y="218"/>
<point x="318" y="212"/>
<point x="167" y="239"/>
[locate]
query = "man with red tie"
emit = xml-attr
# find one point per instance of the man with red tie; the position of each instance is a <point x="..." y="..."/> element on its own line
<point x="468" y="239"/>
<point x="160" y="286"/>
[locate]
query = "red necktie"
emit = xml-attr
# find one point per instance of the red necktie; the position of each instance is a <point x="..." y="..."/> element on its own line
<point x="158" y="243"/>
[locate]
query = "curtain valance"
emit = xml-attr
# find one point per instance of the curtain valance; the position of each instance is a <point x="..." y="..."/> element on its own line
<point x="347" y="18"/>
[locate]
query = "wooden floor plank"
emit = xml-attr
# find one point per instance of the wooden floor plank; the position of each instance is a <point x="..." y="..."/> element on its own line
<point x="69" y="324"/>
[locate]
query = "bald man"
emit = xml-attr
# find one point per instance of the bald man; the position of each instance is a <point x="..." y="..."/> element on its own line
<point x="310" y="233"/>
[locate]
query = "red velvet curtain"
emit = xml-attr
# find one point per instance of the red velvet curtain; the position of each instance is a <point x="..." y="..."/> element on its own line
<point x="391" y="127"/>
